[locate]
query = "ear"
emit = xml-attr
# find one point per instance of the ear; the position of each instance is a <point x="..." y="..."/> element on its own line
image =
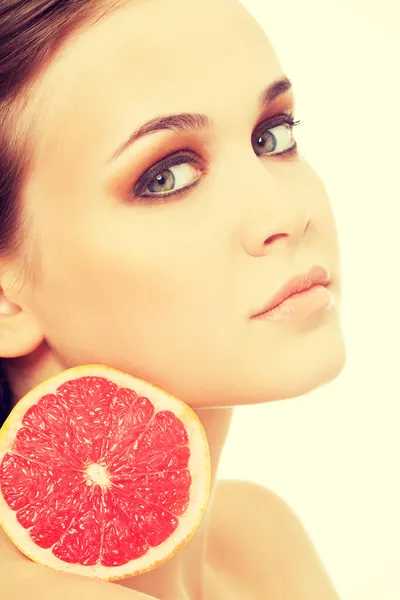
<point x="20" y="333"/>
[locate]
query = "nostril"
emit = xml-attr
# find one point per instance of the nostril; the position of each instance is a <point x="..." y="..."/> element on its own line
<point x="274" y="237"/>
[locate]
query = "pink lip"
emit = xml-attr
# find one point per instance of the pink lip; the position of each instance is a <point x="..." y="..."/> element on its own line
<point x="316" y="276"/>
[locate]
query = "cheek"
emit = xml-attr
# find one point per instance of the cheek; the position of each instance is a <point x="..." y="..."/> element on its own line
<point x="113" y="291"/>
<point x="321" y="212"/>
<point x="160" y="263"/>
<point x="150" y="314"/>
<point x="325" y="225"/>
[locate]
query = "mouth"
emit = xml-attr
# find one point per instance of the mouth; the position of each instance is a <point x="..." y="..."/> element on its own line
<point x="316" y="278"/>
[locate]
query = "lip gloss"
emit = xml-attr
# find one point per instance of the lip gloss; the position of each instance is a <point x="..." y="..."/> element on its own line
<point x="300" y="305"/>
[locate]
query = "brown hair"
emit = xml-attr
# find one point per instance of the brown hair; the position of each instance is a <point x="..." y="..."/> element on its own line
<point x="31" y="32"/>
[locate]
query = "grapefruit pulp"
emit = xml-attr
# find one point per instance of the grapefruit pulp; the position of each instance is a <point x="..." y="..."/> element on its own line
<point x="101" y="473"/>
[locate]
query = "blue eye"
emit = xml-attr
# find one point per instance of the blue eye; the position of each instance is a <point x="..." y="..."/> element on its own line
<point x="174" y="176"/>
<point x="276" y="140"/>
<point x="168" y="177"/>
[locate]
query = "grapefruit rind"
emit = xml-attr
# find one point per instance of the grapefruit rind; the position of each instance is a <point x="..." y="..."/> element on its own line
<point x="199" y="468"/>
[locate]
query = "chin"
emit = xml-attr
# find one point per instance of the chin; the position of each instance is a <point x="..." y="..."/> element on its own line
<point x="307" y="365"/>
<point x="309" y="374"/>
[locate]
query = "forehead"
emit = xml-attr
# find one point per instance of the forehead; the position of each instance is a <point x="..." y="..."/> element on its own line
<point x="151" y="57"/>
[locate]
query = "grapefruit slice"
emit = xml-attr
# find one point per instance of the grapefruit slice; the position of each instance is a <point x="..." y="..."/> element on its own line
<point x="102" y="474"/>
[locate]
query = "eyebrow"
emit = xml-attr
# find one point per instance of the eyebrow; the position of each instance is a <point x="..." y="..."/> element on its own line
<point x="189" y="122"/>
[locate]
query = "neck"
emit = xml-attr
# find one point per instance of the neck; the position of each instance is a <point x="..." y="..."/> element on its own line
<point x="183" y="576"/>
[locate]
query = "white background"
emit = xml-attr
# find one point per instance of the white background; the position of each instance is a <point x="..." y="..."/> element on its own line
<point x="334" y="455"/>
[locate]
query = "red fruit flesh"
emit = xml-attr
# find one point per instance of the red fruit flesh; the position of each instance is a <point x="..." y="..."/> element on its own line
<point x="96" y="474"/>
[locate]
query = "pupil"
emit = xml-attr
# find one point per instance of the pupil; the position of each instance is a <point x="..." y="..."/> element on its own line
<point x="164" y="182"/>
<point x="267" y="142"/>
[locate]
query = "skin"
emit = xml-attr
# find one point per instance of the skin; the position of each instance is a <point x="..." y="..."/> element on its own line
<point x="166" y="290"/>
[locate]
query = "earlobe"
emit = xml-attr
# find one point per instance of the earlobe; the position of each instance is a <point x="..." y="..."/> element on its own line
<point x="19" y="335"/>
<point x="7" y="307"/>
<point x="19" y="331"/>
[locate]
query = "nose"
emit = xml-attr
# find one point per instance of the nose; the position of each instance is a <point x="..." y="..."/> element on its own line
<point x="276" y="213"/>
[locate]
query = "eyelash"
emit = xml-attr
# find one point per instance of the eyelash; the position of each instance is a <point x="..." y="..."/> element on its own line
<point x="179" y="159"/>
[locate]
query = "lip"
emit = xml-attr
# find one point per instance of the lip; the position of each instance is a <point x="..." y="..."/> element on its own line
<point x="317" y="275"/>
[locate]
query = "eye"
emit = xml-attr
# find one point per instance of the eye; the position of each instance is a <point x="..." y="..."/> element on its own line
<point x="168" y="177"/>
<point x="172" y="177"/>
<point x="277" y="139"/>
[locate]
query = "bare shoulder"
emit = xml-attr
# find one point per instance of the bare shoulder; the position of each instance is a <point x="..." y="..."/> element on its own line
<point x="263" y="537"/>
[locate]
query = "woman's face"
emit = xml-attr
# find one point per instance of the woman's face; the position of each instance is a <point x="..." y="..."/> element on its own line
<point x="162" y="284"/>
